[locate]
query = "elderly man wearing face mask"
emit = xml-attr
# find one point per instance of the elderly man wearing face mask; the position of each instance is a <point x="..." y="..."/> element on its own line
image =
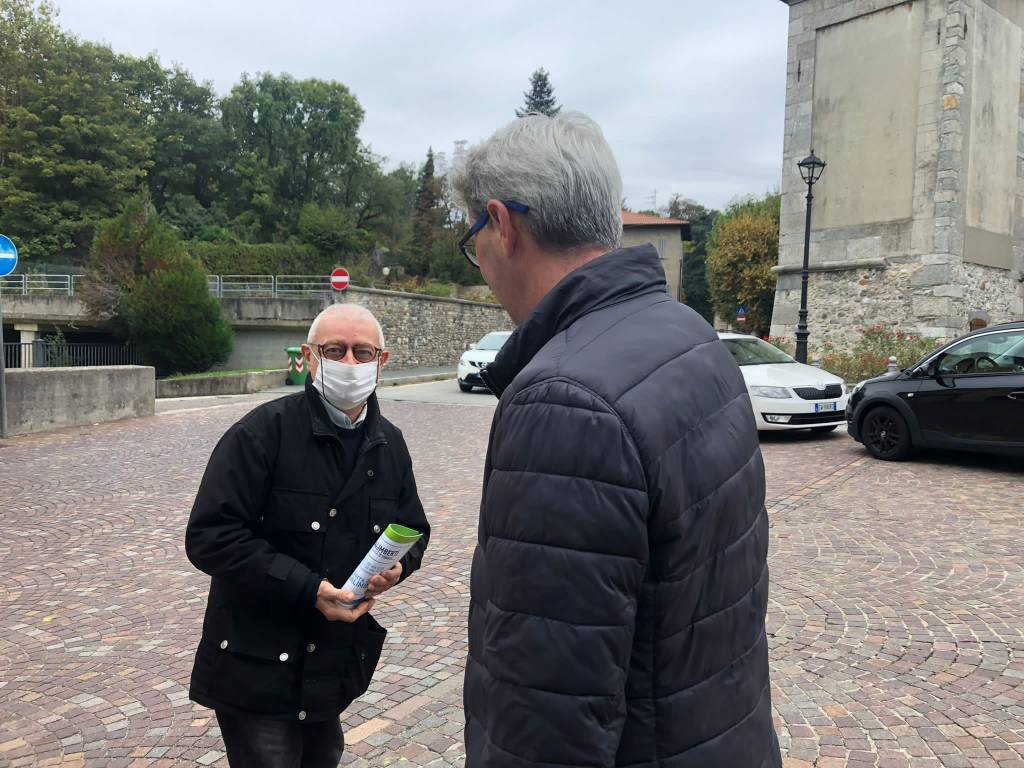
<point x="293" y="496"/>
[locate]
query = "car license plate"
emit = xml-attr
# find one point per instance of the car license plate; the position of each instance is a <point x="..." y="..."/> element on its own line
<point x="822" y="407"/>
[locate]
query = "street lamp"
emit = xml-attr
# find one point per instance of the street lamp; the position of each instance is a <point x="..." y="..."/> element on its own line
<point x="810" y="171"/>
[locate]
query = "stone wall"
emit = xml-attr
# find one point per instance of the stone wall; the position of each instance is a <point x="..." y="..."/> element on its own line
<point x="40" y="399"/>
<point x="420" y="331"/>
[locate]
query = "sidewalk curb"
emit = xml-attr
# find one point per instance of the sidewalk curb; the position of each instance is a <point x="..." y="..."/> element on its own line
<point x="422" y="379"/>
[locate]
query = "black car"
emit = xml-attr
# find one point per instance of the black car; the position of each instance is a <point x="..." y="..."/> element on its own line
<point x="968" y="395"/>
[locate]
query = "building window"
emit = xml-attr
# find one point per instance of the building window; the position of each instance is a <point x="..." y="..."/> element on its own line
<point x="663" y="248"/>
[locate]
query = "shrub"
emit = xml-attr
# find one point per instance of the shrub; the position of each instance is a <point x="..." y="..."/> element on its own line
<point x="870" y="355"/>
<point x="174" y="320"/>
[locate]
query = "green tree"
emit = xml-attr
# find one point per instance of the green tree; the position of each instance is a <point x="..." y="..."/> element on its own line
<point x="295" y="142"/>
<point x="142" y="284"/>
<point x="540" y="99"/>
<point x="175" y="321"/>
<point x="124" y="248"/>
<point x="426" y="219"/>
<point x="73" y="146"/>
<point x="695" y="281"/>
<point x="742" y="249"/>
<point x="334" y="232"/>
<point x="189" y="142"/>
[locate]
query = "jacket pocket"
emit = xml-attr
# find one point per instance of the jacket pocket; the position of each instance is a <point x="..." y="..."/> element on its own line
<point x="295" y="523"/>
<point x="255" y="665"/>
<point x="368" y="648"/>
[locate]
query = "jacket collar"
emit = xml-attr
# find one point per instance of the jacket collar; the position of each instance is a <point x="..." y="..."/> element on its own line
<point x="609" y="279"/>
<point x="323" y="426"/>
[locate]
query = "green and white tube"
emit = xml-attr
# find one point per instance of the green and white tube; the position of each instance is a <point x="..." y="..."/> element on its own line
<point x="386" y="551"/>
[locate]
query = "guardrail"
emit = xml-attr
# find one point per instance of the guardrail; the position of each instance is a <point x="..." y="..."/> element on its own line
<point x="57" y="354"/>
<point x="223" y="286"/>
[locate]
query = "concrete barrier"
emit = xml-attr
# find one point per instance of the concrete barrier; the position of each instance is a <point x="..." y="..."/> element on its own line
<point x="235" y="384"/>
<point x="40" y="399"/>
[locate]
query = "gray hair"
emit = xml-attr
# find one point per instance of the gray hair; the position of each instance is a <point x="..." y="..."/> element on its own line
<point x="353" y="310"/>
<point x="562" y="167"/>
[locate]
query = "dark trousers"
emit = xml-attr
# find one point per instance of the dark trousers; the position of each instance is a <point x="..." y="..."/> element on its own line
<point x="255" y="742"/>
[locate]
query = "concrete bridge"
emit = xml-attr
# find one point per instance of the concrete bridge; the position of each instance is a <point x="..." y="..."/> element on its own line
<point x="420" y="331"/>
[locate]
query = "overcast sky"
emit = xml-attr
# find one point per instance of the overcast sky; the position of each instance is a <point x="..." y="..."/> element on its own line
<point x="690" y="94"/>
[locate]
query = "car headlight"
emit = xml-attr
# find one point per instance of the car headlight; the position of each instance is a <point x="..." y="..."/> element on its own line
<point x="857" y="387"/>
<point x="775" y="393"/>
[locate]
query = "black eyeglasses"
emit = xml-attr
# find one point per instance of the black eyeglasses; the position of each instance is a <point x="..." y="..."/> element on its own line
<point x="469" y="249"/>
<point x="363" y="353"/>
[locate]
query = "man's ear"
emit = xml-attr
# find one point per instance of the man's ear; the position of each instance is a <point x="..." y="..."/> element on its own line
<point x="504" y="225"/>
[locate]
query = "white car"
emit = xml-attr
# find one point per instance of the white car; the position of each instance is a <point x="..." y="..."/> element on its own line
<point x="478" y="357"/>
<point x="787" y="394"/>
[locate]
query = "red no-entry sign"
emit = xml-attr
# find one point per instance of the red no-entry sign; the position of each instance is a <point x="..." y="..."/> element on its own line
<point x="339" y="279"/>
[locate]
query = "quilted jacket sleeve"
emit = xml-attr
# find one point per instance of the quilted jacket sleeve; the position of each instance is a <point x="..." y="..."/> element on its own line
<point x="566" y="549"/>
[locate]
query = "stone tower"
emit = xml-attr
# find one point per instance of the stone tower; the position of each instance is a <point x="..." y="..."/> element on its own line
<point x="918" y="219"/>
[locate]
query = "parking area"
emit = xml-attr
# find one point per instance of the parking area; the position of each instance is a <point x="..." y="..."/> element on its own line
<point x="896" y="617"/>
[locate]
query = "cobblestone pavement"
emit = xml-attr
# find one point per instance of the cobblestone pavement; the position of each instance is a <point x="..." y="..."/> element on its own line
<point x="896" y="615"/>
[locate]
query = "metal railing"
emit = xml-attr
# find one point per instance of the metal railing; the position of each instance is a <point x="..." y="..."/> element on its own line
<point x="223" y="286"/>
<point x="40" y="285"/>
<point x="49" y="354"/>
<point x="268" y="286"/>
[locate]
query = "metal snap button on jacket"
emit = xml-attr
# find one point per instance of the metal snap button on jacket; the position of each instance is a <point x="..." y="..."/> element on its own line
<point x="315" y="526"/>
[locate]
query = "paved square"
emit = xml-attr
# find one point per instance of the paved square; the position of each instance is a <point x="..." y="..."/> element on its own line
<point x="896" y="617"/>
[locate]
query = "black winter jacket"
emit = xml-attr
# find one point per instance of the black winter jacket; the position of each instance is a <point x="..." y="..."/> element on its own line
<point x="274" y="514"/>
<point x="620" y="581"/>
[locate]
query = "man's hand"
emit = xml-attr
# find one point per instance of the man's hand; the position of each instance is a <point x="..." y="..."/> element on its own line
<point x="382" y="582"/>
<point x="329" y="601"/>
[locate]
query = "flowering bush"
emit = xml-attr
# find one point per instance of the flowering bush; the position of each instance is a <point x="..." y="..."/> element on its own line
<point x="870" y="355"/>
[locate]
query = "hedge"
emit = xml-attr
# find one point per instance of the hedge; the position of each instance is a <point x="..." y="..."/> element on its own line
<point x="225" y="258"/>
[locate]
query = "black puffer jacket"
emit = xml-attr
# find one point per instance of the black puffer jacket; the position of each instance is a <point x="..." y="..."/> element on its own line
<point x="275" y="513"/>
<point x="620" y="581"/>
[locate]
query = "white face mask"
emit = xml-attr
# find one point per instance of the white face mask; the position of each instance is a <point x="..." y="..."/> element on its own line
<point x="345" y="386"/>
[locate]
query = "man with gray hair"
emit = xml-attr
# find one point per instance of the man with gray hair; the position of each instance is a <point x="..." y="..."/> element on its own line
<point x="293" y="496"/>
<point x="620" y="581"/>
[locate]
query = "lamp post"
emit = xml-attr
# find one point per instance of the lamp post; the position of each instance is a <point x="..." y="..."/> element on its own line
<point x="810" y="171"/>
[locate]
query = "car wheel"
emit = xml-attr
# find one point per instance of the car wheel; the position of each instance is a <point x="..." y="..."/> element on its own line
<point x="886" y="434"/>
<point x="823" y="430"/>
<point x="465" y="387"/>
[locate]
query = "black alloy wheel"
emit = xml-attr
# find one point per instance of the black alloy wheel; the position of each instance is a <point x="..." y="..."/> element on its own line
<point x="886" y="434"/>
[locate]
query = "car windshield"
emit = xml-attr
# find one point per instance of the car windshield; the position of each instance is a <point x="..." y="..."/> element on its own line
<point x="753" y="351"/>
<point x="492" y="342"/>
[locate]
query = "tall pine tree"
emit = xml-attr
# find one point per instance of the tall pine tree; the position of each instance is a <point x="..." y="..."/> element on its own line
<point x="424" y="218"/>
<point x="540" y="99"/>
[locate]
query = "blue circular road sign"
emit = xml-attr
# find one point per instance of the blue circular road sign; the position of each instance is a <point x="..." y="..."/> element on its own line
<point x="8" y="256"/>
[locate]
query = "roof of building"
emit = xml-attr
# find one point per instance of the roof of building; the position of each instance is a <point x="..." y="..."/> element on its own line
<point x="630" y="219"/>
